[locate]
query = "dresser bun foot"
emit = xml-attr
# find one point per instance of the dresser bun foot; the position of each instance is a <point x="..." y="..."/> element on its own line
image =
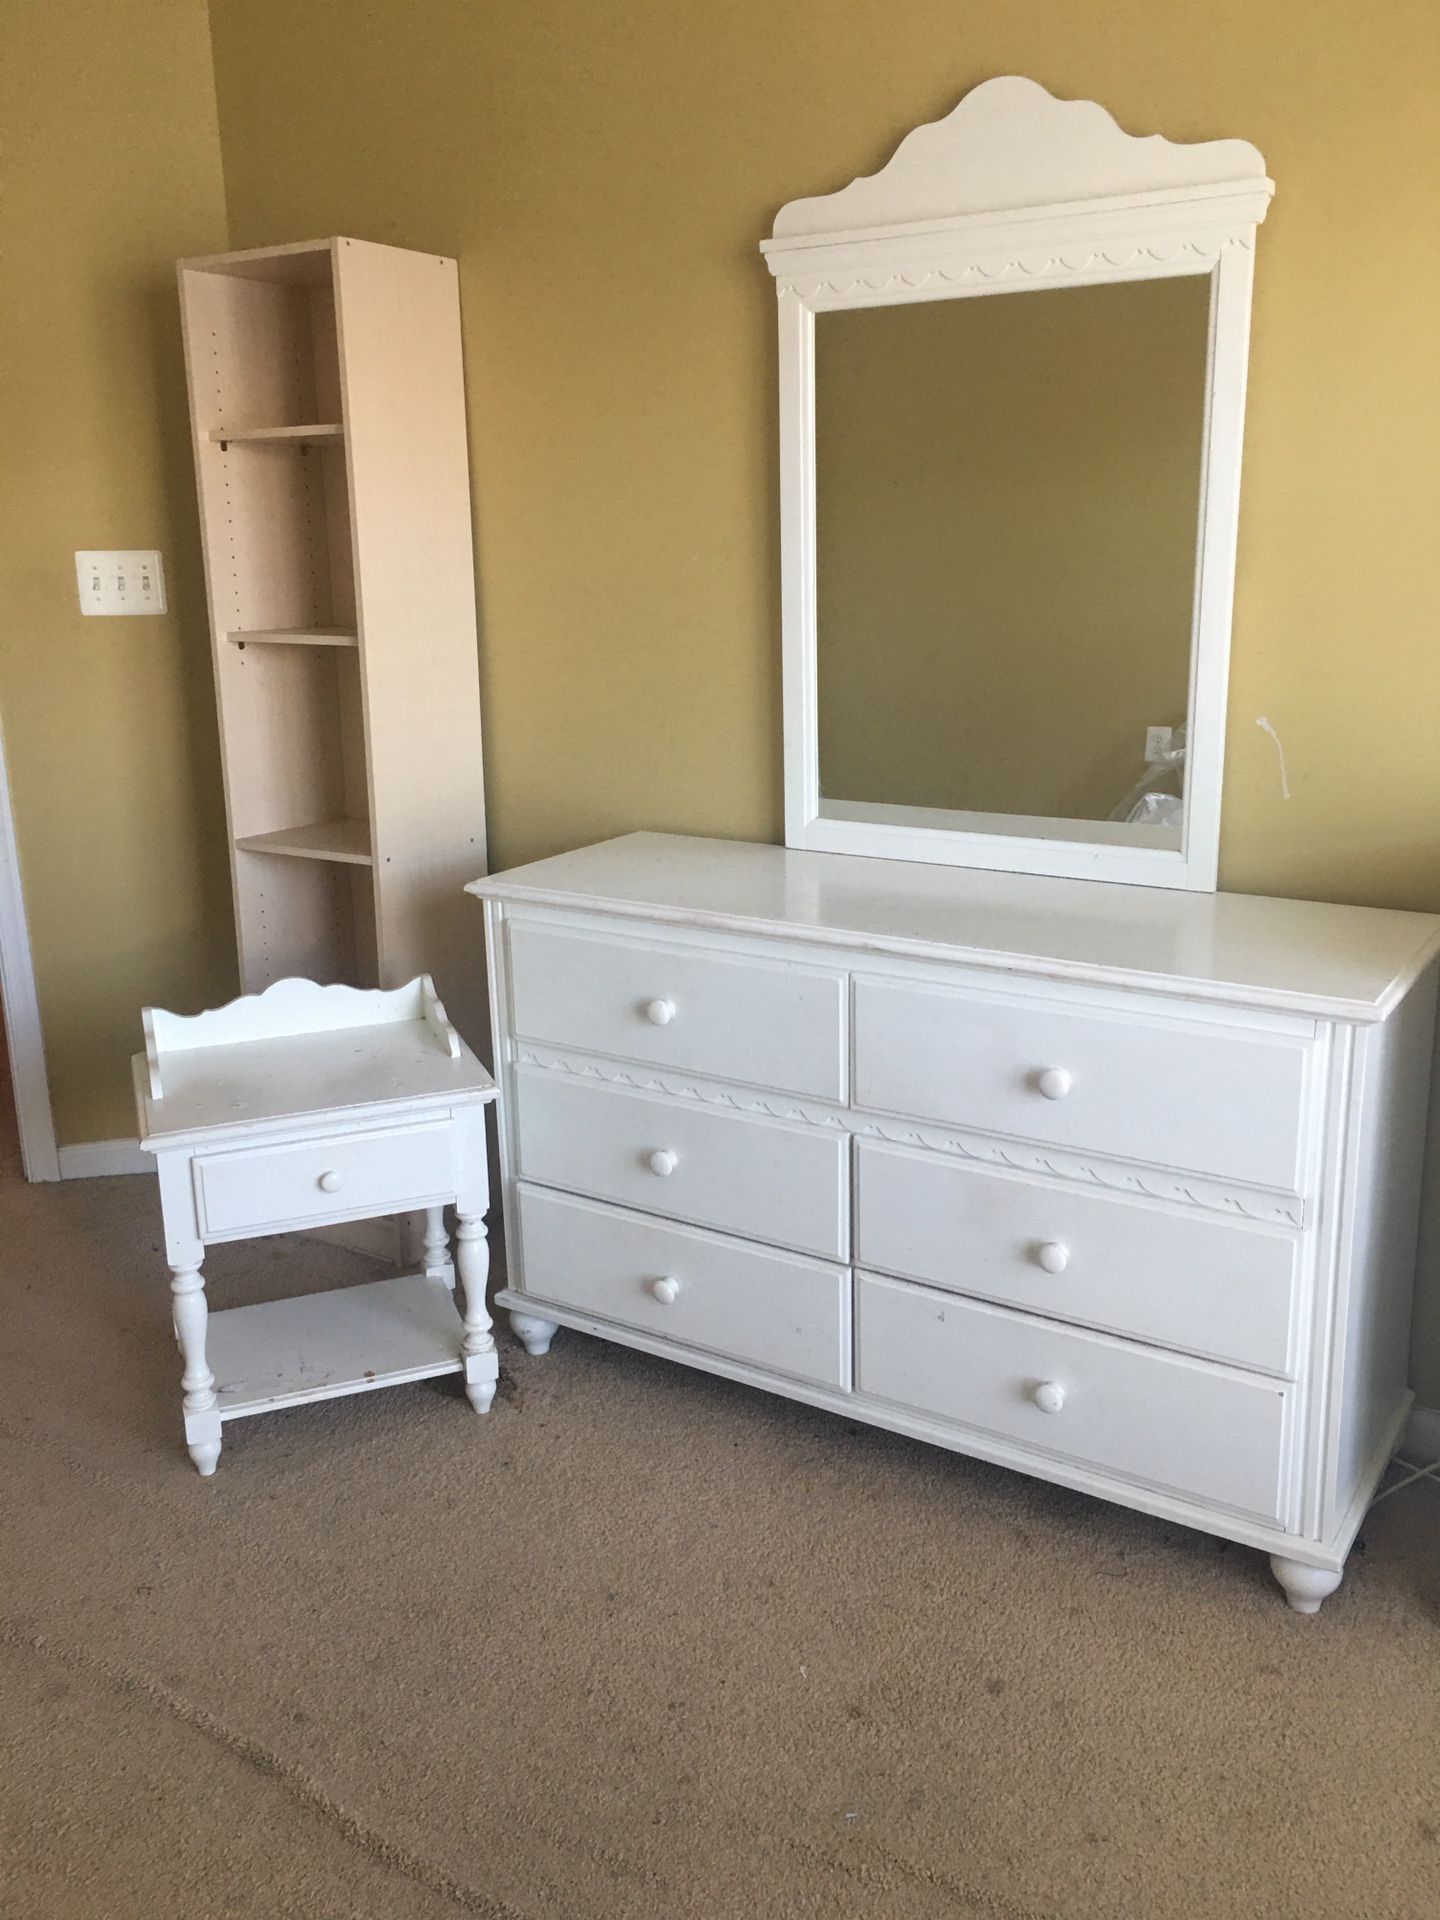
<point x="1305" y="1586"/>
<point x="533" y="1334"/>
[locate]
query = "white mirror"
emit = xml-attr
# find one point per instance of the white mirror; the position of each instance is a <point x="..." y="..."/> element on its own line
<point x="1012" y="393"/>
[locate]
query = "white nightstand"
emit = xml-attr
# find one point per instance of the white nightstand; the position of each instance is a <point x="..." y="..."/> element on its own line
<point x="298" y="1107"/>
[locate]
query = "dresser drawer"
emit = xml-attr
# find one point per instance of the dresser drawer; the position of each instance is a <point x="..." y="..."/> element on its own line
<point x="765" y="1179"/>
<point x="774" y="1310"/>
<point x="1217" y="1101"/>
<point x="1216" y="1287"/>
<point x="266" y="1189"/>
<point x="1167" y="1421"/>
<point x="761" y="1022"/>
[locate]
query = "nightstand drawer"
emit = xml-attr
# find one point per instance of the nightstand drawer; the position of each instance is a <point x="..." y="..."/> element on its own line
<point x="1218" y="1100"/>
<point x="687" y="1159"/>
<point x="348" y="1177"/>
<point x="1218" y="1287"/>
<point x="680" y="1007"/>
<point x="779" y="1311"/>
<point x="1148" y="1416"/>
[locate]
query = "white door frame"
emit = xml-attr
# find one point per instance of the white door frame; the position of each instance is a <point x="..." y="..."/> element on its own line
<point x="21" y="1005"/>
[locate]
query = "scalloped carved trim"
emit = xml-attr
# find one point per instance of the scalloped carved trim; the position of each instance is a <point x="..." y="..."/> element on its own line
<point x="1044" y="264"/>
<point x="1010" y="144"/>
<point x="775" y="1106"/>
<point x="288" y="1008"/>
<point x="986" y="1149"/>
<point x="1152" y="1184"/>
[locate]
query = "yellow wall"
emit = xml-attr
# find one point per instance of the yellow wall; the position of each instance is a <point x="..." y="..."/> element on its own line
<point x="1007" y="492"/>
<point x="111" y="167"/>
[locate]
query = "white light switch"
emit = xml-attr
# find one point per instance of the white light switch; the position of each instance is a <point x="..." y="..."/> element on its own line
<point x="122" y="582"/>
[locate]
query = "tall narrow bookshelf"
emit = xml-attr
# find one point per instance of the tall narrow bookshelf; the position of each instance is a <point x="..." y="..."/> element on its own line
<point x="328" y="413"/>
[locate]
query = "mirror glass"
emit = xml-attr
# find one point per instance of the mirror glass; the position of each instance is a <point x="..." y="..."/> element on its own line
<point x="1007" y="500"/>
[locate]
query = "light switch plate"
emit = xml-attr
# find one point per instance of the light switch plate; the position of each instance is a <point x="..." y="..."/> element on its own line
<point x="120" y="582"/>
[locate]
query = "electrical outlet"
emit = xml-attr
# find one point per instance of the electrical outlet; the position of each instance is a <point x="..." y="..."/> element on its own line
<point x="120" y="582"/>
<point x="1157" y="744"/>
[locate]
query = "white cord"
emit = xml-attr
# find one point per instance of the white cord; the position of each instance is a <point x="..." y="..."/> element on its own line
<point x="1412" y="1474"/>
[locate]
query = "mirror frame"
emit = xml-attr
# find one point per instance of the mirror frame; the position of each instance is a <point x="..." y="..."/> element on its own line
<point x="1016" y="189"/>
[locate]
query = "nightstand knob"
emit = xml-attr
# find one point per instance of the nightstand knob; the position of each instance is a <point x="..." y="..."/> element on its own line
<point x="665" y="1291"/>
<point x="331" y="1182"/>
<point x="1049" y="1396"/>
<point x="660" y="1012"/>
<point x="1054" y="1083"/>
<point x="663" y="1162"/>
<point x="1053" y="1257"/>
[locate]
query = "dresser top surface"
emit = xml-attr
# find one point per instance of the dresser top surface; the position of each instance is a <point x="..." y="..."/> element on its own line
<point x="1353" y="963"/>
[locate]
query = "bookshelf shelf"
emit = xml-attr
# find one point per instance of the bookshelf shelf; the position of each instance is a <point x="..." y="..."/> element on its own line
<point x="273" y="436"/>
<point x="347" y="841"/>
<point x="295" y="637"/>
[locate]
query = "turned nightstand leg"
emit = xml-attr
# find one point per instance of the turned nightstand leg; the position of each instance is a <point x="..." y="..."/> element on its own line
<point x="202" y="1409"/>
<point x="482" y="1362"/>
<point x="437" y="1247"/>
<point x="1305" y="1586"/>
<point x="533" y="1333"/>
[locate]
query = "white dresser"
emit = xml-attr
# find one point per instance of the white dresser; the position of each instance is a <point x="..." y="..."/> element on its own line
<point x="1114" y="1186"/>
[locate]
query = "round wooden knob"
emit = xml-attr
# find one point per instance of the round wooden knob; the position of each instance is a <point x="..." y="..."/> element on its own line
<point x="1052" y="1256"/>
<point x="1049" y="1397"/>
<point x="1054" y="1082"/>
<point x="665" y="1291"/>
<point x="663" y="1162"/>
<point x="660" y="1012"/>
<point x="331" y="1182"/>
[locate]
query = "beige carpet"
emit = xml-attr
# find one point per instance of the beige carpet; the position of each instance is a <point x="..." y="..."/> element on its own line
<point x="644" y="1644"/>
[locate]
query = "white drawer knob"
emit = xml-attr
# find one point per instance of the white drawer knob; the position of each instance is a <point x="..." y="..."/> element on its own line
<point x="331" y="1182"/>
<point x="666" y="1291"/>
<point x="1053" y="1257"/>
<point x="1049" y="1397"/>
<point x="660" y="1012"/>
<point x="663" y="1162"/>
<point x="1054" y="1083"/>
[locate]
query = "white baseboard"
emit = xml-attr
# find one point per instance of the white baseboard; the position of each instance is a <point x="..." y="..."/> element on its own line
<point x="89" y="1159"/>
<point x="1421" y="1440"/>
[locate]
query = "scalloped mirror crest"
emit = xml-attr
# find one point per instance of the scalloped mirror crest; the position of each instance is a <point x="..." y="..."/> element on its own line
<point x="1011" y="145"/>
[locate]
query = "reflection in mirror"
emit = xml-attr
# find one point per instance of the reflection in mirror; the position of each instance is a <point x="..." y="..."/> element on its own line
<point x="1007" y="497"/>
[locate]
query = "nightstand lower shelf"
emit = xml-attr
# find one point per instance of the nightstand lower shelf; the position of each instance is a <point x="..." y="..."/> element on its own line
<point x="319" y="1346"/>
